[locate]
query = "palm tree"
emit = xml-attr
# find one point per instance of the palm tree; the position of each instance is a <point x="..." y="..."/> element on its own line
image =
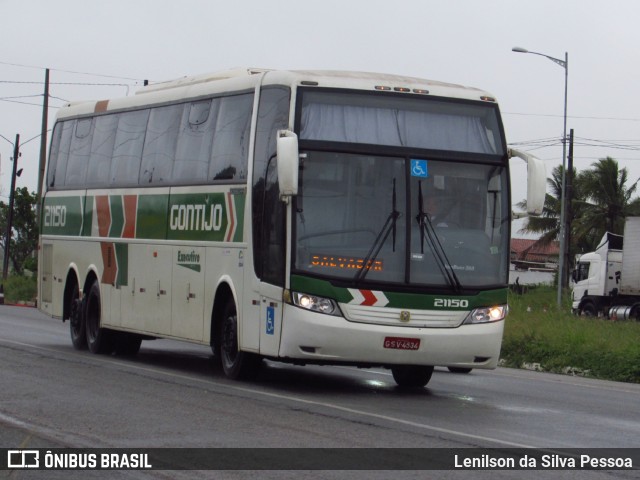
<point x="548" y="223"/>
<point x="600" y="201"/>
<point x="608" y="201"/>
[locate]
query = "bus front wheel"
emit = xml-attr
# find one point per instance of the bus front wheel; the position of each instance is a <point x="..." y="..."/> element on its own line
<point x="412" y="376"/>
<point x="235" y="363"/>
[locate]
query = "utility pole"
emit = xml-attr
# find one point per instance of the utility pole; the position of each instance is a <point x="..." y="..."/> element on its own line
<point x="43" y="143"/>
<point x="12" y="194"/>
<point x="568" y="213"/>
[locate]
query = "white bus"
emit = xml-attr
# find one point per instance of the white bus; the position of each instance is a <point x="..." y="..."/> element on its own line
<point x="299" y="216"/>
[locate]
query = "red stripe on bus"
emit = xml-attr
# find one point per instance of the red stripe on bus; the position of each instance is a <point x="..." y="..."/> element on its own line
<point x="110" y="266"/>
<point x="231" y="215"/>
<point x="101" y="106"/>
<point x="369" y="297"/>
<point x="103" y="214"/>
<point x="130" y="210"/>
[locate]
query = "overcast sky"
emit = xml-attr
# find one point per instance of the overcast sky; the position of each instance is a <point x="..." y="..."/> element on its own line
<point x="101" y="49"/>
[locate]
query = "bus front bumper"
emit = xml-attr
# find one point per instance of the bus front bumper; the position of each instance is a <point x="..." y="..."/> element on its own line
<point x="309" y="337"/>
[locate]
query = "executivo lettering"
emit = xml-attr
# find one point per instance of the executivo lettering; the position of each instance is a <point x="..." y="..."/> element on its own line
<point x="201" y="217"/>
<point x="191" y="257"/>
<point x="190" y="260"/>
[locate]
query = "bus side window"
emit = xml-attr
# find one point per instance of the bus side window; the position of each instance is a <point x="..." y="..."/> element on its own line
<point x="231" y="139"/>
<point x="160" y="144"/>
<point x="273" y="229"/>
<point x="273" y="115"/>
<point x="195" y="141"/>
<point x="53" y="153"/>
<point x="104" y="137"/>
<point x="127" y="150"/>
<point x="79" y="152"/>
<point x="58" y="168"/>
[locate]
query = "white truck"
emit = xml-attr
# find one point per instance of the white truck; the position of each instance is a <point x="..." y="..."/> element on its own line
<point x="607" y="281"/>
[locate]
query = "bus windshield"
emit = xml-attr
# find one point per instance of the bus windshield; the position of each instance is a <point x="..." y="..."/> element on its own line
<point x="359" y="219"/>
<point x="406" y="190"/>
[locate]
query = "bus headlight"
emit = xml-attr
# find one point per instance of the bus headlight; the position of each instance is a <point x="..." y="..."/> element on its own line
<point x="315" y="303"/>
<point x="486" y="314"/>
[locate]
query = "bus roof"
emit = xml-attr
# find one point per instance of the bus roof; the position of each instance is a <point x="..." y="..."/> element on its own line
<point x="240" y="79"/>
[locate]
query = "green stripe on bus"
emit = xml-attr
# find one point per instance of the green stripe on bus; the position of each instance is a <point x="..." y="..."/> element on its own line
<point x="215" y="217"/>
<point x="117" y="216"/>
<point x="122" y="258"/>
<point x="88" y="216"/>
<point x="239" y="200"/>
<point x="197" y="216"/>
<point x="418" y="301"/>
<point x="62" y="215"/>
<point x="152" y="216"/>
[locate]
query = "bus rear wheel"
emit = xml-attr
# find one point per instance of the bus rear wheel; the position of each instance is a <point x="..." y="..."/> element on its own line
<point x="99" y="340"/>
<point x="76" y="320"/>
<point x="235" y="363"/>
<point x="412" y="376"/>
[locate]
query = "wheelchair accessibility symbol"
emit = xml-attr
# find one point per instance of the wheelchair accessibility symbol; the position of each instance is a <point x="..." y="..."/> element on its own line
<point x="419" y="168"/>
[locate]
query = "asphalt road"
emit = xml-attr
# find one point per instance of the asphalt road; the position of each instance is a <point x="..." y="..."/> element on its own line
<point x="170" y="395"/>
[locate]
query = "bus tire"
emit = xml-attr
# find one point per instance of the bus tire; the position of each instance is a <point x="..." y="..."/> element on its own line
<point x="412" y="376"/>
<point x="77" y="327"/>
<point x="236" y="364"/>
<point x="99" y="340"/>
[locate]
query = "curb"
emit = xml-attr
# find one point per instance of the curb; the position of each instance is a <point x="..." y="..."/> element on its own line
<point x="19" y="304"/>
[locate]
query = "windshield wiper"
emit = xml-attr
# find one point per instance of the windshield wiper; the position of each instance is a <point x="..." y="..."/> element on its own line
<point x="427" y="231"/>
<point x="388" y="227"/>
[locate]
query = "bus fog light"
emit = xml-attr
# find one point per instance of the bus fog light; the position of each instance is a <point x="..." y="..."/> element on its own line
<point x="487" y="314"/>
<point x="315" y="303"/>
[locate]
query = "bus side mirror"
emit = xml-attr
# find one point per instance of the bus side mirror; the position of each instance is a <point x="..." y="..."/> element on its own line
<point x="288" y="163"/>
<point x="536" y="181"/>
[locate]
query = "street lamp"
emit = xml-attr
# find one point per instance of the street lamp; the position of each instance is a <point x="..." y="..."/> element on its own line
<point x="561" y="263"/>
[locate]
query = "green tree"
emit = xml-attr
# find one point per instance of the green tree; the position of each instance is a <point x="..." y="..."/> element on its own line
<point x="600" y="202"/>
<point x="608" y="201"/>
<point x="547" y="225"/>
<point x="24" y="238"/>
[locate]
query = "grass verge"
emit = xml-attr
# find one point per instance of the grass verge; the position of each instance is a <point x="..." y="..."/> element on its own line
<point x="20" y="289"/>
<point x="539" y="333"/>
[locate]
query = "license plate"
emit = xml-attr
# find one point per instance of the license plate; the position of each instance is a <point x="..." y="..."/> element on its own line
<point x="401" y="343"/>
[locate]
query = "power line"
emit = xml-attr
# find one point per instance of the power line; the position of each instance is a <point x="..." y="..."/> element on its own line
<point x="91" y="84"/>
<point x="26" y="103"/>
<point x="633" y="145"/>
<point x="579" y="117"/>
<point x="69" y="71"/>
<point x="21" y="96"/>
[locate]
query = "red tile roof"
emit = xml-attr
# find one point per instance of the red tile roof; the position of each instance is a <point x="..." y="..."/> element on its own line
<point x="532" y="251"/>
